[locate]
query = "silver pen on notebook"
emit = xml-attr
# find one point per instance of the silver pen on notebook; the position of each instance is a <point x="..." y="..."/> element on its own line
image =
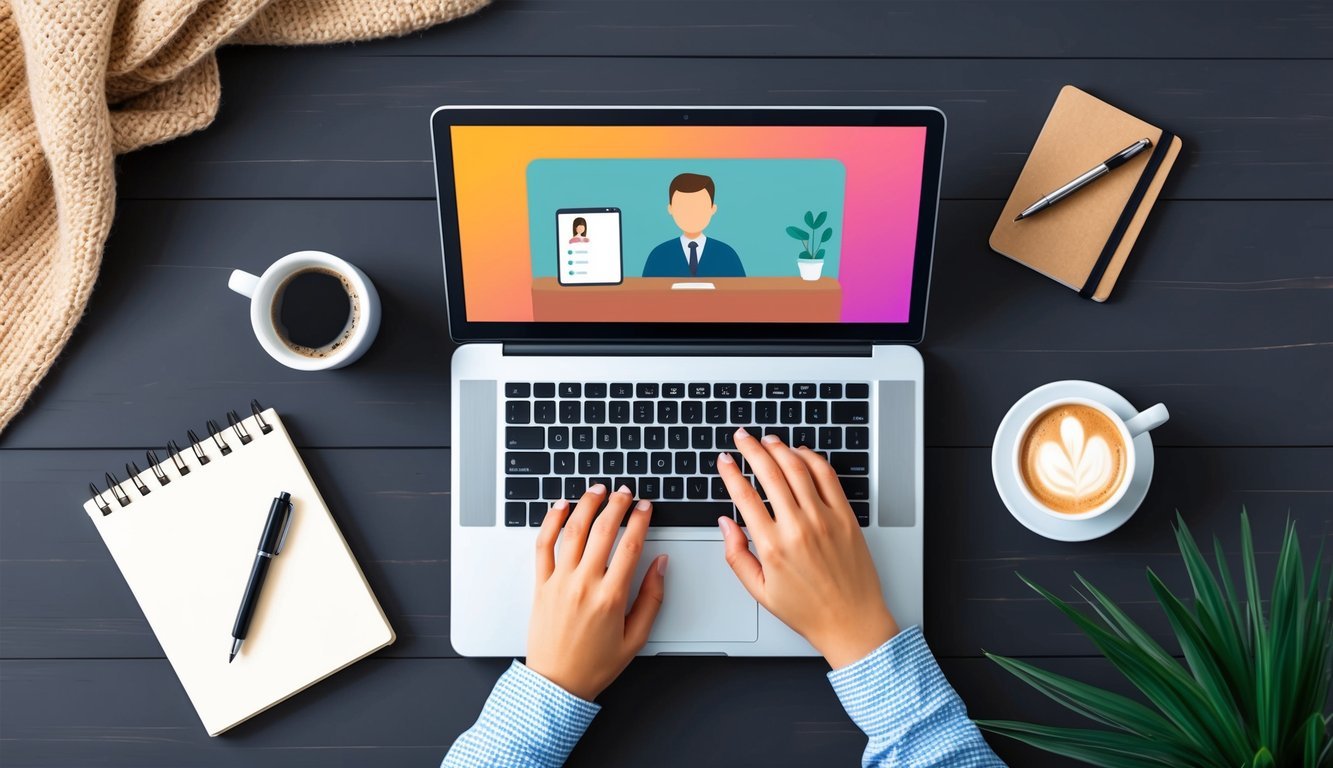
<point x="1111" y="163"/>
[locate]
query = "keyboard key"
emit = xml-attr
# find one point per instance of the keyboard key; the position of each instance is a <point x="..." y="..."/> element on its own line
<point x="654" y="437"/>
<point x="636" y="463"/>
<point x="516" y="514"/>
<point x="606" y="438"/>
<point x="594" y="390"/>
<point x="570" y="389"/>
<point x="582" y="438"/>
<point x="696" y="487"/>
<point x="715" y="412"/>
<point x="518" y="389"/>
<point x="751" y="391"/>
<point x="564" y="463"/>
<point x="783" y="433"/>
<point x="678" y="438"/>
<point x="830" y="438"/>
<point x="830" y="391"/>
<point x="698" y="391"/>
<point x="816" y="412"/>
<point x="606" y="481"/>
<point x="856" y="488"/>
<point x="691" y="514"/>
<point x="629" y="483"/>
<point x="622" y="390"/>
<point x="803" y="391"/>
<point x="672" y="488"/>
<point x="570" y="412"/>
<point x="522" y="488"/>
<point x="543" y="389"/>
<point x="685" y="465"/>
<point x="862" y="510"/>
<point x="660" y="463"/>
<point x="643" y="412"/>
<point x="557" y="438"/>
<point x="619" y="412"/>
<point x="613" y="462"/>
<point x="650" y="488"/>
<point x="527" y="463"/>
<point x="724" y="438"/>
<point x="594" y="412"/>
<point x="718" y="486"/>
<point x="791" y="412"/>
<point x="674" y="391"/>
<point x="724" y="391"/>
<point x="668" y="411"/>
<point x="551" y="488"/>
<point x="851" y="463"/>
<point x="523" y="438"/>
<point x="766" y="412"/>
<point x="778" y="391"/>
<point x="590" y="463"/>
<point x="708" y="462"/>
<point x="741" y="412"/>
<point x="858" y="391"/>
<point x="691" y="412"/>
<point x="646" y="390"/>
<point x="701" y="438"/>
<point x="803" y="436"/>
<point x="518" y="412"/>
<point x="544" y="412"/>
<point x="631" y="438"/>
<point x="574" y="488"/>
<point x="537" y="512"/>
<point x="851" y="413"/>
<point x="858" y="437"/>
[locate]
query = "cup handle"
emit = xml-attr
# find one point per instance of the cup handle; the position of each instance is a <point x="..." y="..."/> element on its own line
<point x="1150" y="418"/>
<point x="243" y="283"/>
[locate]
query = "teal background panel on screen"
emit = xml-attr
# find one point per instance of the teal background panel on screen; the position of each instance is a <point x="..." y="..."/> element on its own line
<point x="757" y="199"/>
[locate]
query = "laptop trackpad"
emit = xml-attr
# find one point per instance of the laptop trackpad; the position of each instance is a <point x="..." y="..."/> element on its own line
<point x="704" y="601"/>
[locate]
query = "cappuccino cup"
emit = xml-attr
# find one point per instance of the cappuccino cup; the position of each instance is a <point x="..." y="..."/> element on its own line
<point x="311" y="310"/>
<point x="1075" y="457"/>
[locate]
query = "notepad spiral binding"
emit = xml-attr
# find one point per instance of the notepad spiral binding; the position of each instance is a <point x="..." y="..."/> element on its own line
<point x="215" y="433"/>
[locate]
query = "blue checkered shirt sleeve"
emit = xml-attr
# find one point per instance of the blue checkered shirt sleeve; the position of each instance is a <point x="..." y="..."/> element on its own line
<point x="899" y="697"/>
<point x="528" y="721"/>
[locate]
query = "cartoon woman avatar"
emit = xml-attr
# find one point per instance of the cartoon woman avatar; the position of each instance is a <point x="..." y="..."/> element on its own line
<point x="580" y="231"/>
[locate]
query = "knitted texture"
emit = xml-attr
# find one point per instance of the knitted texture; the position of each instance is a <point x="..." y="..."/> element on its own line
<point x="84" y="80"/>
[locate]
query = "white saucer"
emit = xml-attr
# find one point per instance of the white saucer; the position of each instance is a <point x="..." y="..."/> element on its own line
<point x="1040" y="522"/>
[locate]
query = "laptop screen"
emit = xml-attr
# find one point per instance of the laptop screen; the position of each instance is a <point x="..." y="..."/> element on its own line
<point x="690" y="224"/>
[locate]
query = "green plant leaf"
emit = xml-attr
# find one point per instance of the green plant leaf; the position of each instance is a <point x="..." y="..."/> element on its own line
<point x="804" y="255"/>
<point x="1312" y="739"/>
<point x="1263" y="759"/>
<point x="797" y="233"/>
<point x="819" y="220"/>
<point x="819" y="254"/>
<point x="810" y="219"/>
<point x="828" y="234"/>
<point x="1102" y="748"/>
<point x="1123" y="625"/>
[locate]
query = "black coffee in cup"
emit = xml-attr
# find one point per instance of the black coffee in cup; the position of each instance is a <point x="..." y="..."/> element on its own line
<point x="315" y="311"/>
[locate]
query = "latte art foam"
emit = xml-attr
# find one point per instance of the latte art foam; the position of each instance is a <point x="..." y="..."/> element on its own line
<point x="1072" y="458"/>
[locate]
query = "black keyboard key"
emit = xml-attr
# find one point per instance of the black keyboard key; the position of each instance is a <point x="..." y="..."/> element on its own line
<point x="778" y="391"/>
<point x="698" y="391"/>
<point x="582" y="438"/>
<point x="741" y="412"/>
<point x="862" y="510"/>
<point x="574" y="488"/>
<point x="654" y="437"/>
<point x="570" y="412"/>
<point x="613" y="462"/>
<point x="668" y="411"/>
<point x="522" y="488"/>
<point x="701" y="438"/>
<point x="803" y="391"/>
<point x="715" y="412"/>
<point x="643" y="412"/>
<point x="673" y="391"/>
<point x="751" y="391"/>
<point x="629" y="483"/>
<point x="606" y="438"/>
<point x="858" y="391"/>
<point x="816" y="412"/>
<point x="851" y="413"/>
<point x="564" y="463"/>
<point x="518" y="389"/>
<point x="724" y="438"/>
<point x="618" y="413"/>
<point x="685" y="463"/>
<point x="689" y="514"/>
<point x="518" y="412"/>
<point x="594" y="390"/>
<point x="570" y="389"/>
<point x="830" y="391"/>
<point x="672" y="488"/>
<point x="766" y="412"/>
<point x="646" y="390"/>
<point x="557" y="438"/>
<point x="551" y="488"/>
<point x="543" y="389"/>
<point x="678" y="438"/>
<point x="724" y="391"/>
<point x="708" y="462"/>
<point x="858" y="438"/>
<point x="791" y="412"/>
<point x="830" y="438"/>
<point x="544" y="412"/>
<point x="660" y="463"/>
<point x="650" y="488"/>
<point x="524" y="438"/>
<point x="692" y="412"/>
<point x="527" y="463"/>
<point x="719" y="489"/>
<point x="636" y="463"/>
<point x="696" y="487"/>
<point x="590" y="463"/>
<point x="856" y="488"/>
<point x="851" y="463"/>
<point x="516" y="514"/>
<point x="537" y="512"/>
<point x="622" y="390"/>
<point x="783" y="433"/>
<point x="803" y="436"/>
<point x="631" y="438"/>
<point x="604" y="481"/>
<point x="594" y="412"/>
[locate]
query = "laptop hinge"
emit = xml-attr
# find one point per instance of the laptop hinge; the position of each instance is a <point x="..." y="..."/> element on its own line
<point x="681" y="349"/>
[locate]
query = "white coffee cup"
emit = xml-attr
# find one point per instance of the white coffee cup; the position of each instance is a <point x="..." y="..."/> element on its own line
<point x="1128" y="429"/>
<point x="263" y="292"/>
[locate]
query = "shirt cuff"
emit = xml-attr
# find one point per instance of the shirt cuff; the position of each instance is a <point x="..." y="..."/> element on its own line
<point x="894" y="687"/>
<point x="537" y="720"/>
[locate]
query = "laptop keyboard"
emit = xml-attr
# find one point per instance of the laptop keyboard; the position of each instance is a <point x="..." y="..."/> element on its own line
<point x="662" y="440"/>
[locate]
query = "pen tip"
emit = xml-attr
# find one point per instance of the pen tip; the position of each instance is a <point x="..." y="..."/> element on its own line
<point x="1019" y="217"/>
<point x="231" y="657"/>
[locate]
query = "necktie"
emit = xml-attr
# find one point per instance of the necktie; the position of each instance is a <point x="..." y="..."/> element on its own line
<point x="694" y="259"/>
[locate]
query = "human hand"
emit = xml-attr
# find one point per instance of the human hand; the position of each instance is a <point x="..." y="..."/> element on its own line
<point x="580" y="637"/>
<point x="813" y="569"/>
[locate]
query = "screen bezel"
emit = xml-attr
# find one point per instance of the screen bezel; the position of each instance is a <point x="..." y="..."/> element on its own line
<point x="463" y="330"/>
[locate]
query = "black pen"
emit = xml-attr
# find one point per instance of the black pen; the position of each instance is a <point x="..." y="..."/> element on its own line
<point x="1112" y="162"/>
<point x="270" y="545"/>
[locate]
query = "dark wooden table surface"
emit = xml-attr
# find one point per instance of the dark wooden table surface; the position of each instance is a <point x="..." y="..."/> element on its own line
<point x="1225" y="313"/>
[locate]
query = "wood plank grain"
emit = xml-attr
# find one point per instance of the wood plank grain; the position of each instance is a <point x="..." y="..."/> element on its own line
<point x="61" y="595"/>
<point x="1221" y="314"/>
<point x="880" y="28"/>
<point x="333" y="123"/>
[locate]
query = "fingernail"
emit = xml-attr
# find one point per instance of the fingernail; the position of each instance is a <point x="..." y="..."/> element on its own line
<point x="742" y="434"/>
<point x="624" y="489"/>
<point x="724" y="523"/>
<point x="644" y="505"/>
<point x="560" y="504"/>
<point x="598" y="489"/>
<point x="770" y="439"/>
<point x="725" y="458"/>
<point x="662" y="564"/>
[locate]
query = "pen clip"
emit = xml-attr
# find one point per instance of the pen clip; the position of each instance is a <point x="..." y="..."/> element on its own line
<point x="287" y="526"/>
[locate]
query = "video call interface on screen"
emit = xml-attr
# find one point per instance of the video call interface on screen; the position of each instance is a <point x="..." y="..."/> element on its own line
<point x="579" y="224"/>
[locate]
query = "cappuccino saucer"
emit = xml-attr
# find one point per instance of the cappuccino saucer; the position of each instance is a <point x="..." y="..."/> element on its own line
<point x="1040" y="522"/>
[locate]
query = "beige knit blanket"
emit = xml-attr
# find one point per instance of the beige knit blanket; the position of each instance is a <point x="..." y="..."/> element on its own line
<point x="84" y="80"/>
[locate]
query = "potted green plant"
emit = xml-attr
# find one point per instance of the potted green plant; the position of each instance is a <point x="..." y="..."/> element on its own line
<point x="1251" y="691"/>
<point x="810" y="261"/>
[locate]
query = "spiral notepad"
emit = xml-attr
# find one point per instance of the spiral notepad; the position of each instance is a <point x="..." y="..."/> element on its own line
<point x="184" y="533"/>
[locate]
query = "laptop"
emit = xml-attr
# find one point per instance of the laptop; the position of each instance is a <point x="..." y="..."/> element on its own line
<point x="627" y="286"/>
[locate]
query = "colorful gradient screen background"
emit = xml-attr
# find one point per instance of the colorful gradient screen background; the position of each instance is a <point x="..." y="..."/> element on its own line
<point x="871" y="256"/>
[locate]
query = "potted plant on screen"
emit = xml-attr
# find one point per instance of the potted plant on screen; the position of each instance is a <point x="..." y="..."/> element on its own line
<point x="810" y="260"/>
<point x="1250" y="691"/>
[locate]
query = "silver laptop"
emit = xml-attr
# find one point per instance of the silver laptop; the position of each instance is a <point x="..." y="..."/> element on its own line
<point x="628" y="286"/>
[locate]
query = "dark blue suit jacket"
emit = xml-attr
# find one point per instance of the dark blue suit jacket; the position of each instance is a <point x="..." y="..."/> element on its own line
<point x="717" y="260"/>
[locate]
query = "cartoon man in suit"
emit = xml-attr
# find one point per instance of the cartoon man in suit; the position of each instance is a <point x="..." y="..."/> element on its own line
<point x="690" y="203"/>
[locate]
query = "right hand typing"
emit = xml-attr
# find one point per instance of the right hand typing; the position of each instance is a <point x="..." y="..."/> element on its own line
<point x="813" y="569"/>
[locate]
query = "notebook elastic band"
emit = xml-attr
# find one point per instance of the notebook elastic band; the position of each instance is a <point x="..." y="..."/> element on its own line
<point x="1132" y="207"/>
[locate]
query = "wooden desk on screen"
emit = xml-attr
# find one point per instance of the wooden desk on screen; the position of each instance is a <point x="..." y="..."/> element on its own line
<point x="652" y="300"/>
